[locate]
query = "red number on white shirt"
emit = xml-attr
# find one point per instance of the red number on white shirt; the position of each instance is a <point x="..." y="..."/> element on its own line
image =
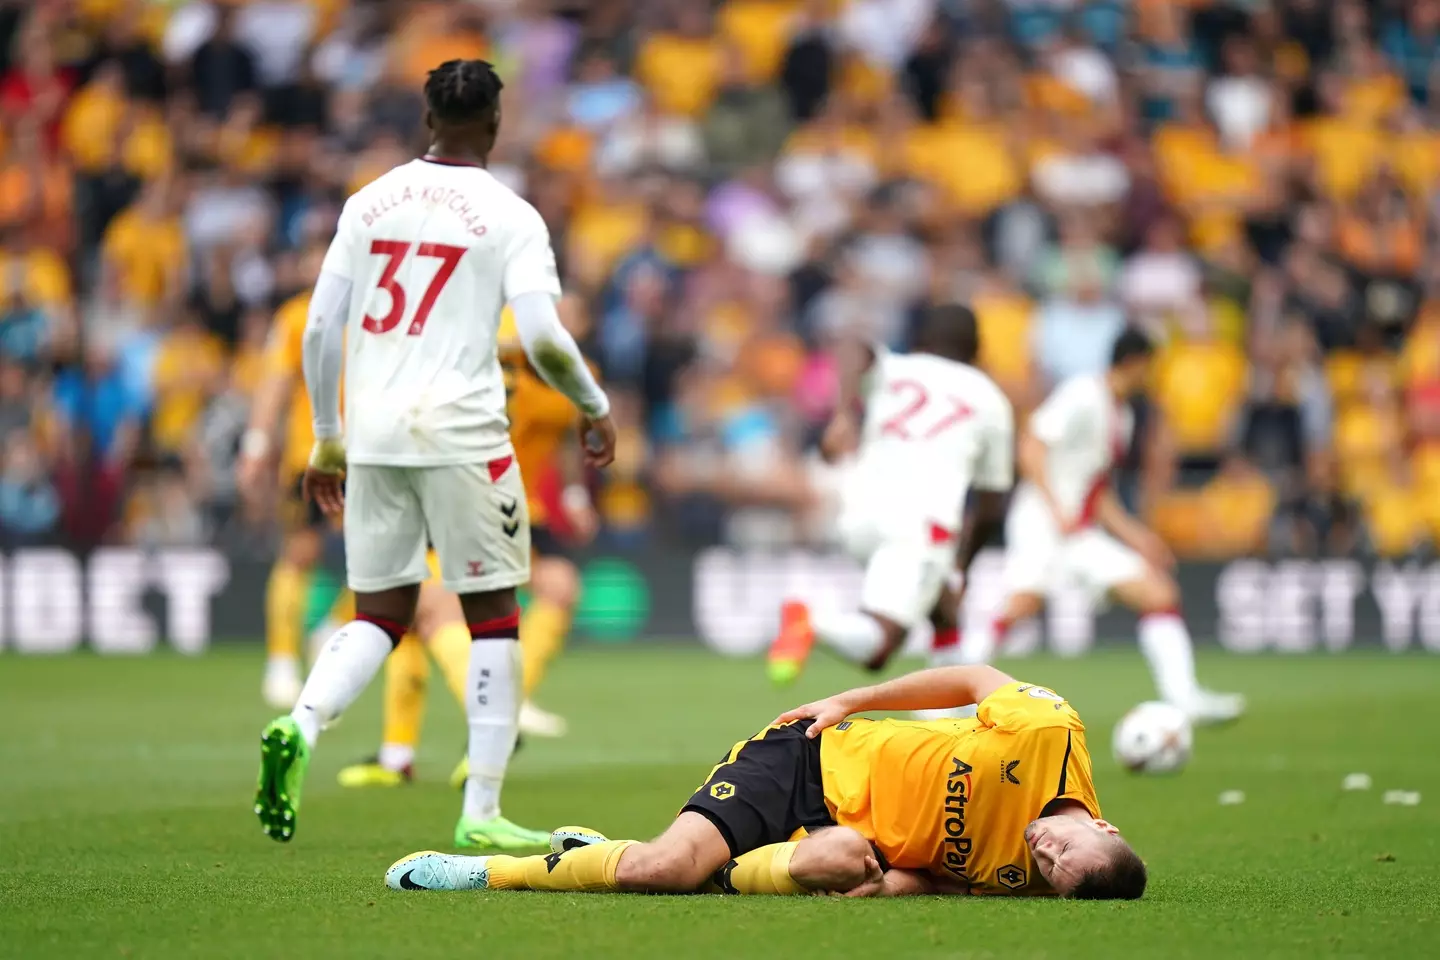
<point x="899" y="426"/>
<point x="394" y="252"/>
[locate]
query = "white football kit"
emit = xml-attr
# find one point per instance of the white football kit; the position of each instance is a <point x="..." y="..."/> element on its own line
<point x="933" y="429"/>
<point x="1085" y="432"/>
<point x="432" y="252"/>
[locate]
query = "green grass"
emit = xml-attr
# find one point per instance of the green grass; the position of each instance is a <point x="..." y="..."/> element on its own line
<point x="126" y="828"/>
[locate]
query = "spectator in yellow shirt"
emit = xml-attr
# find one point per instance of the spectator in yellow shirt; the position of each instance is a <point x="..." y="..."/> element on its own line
<point x="145" y="248"/>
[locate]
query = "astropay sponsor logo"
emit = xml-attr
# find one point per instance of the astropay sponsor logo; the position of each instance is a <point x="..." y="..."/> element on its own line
<point x="52" y="599"/>
<point x="956" y="846"/>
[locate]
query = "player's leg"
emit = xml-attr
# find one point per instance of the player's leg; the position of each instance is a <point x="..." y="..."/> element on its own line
<point x="407" y="679"/>
<point x="476" y="516"/>
<point x="1032" y="555"/>
<point x="554" y="593"/>
<point x="285" y="594"/>
<point x="903" y="582"/>
<point x="681" y="860"/>
<point x="832" y="860"/>
<point x="440" y="623"/>
<point x="735" y="829"/>
<point x="385" y="564"/>
<point x="980" y="643"/>
<point x="1164" y="639"/>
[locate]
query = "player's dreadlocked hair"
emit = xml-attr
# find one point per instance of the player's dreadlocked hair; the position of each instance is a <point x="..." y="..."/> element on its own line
<point x="463" y="91"/>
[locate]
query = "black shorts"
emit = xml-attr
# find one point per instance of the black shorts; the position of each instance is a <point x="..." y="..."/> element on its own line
<point x="765" y="789"/>
<point x="302" y="514"/>
<point x="545" y="543"/>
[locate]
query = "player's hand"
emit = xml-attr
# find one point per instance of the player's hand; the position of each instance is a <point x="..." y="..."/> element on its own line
<point x="323" y="483"/>
<point x="597" y="440"/>
<point x="584" y="521"/>
<point x="841" y="437"/>
<point x="873" y="883"/>
<point x="825" y="713"/>
<point x="255" y="468"/>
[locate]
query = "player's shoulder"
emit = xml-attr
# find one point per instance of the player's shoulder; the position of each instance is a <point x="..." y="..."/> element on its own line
<point x="1020" y="705"/>
<point x="518" y="215"/>
<point x="977" y="386"/>
<point x="985" y="387"/>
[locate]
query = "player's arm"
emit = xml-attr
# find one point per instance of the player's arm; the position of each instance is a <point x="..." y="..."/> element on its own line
<point x="939" y="688"/>
<point x="1049" y="425"/>
<point x="1033" y="456"/>
<point x="1111" y="514"/>
<point x="256" y="467"/>
<point x="531" y="285"/>
<point x="855" y="360"/>
<point x="994" y="475"/>
<point x="554" y="355"/>
<point x="322" y="358"/>
<point x="322" y="355"/>
<point x="574" y="495"/>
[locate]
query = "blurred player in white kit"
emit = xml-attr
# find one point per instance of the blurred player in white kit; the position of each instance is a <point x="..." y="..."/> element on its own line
<point x="408" y="302"/>
<point x="1066" y="525"/>
<point x="926" y="427"/>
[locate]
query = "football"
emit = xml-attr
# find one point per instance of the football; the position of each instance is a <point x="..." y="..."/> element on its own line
<point x="1153" y="737"/>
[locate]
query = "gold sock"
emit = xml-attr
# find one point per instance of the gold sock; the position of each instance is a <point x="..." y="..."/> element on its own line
<point x="542" y="636"/>
<point x="285" y="609"/>
<point x="342" y="611"/>
<point x="450" y="646"/>
<point x="581" y="870"/>
<point x="407" y="674"/>
<point x="765" y="870"/>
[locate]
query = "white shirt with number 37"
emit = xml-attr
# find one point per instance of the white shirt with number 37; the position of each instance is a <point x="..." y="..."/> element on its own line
<point x="433" y="251"/>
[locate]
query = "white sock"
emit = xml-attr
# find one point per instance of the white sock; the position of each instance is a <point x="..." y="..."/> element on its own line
<point x="396" y="756"/>
<point x="492" y="706"/>
<point x="854" y="635"/>
<point x="977" y="644"/>
<point x="1166" y="645"/>
<point x="341" y="673"/>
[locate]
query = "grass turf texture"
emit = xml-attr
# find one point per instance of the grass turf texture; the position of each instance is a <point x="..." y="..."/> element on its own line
<point x="126" y="827"/>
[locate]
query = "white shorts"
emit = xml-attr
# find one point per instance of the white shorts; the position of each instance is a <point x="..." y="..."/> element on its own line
<point x="473" y="513"/>
<point x="1038" y="558"/>
<point x="905" y="568"/>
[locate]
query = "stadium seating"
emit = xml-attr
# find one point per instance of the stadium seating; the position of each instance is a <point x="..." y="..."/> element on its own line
<point x="159" y="175"/>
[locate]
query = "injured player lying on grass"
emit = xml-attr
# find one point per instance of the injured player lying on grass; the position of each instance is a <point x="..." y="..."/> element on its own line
<point x="1002" y="803"/>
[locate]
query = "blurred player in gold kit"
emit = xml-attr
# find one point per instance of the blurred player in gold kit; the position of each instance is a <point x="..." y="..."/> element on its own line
<point x="543" y="431"/>
<point x="274" y="453"/>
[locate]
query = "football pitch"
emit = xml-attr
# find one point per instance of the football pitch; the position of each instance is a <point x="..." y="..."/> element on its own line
<point x="126" y="827"/>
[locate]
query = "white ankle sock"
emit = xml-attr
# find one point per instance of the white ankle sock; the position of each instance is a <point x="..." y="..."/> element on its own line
<point x="492" y="707"/>
<point x="977" y="644"/>
<point x="345" y="667"/>
<point x="396" y="756"/>
<point x="854" y="635"/>
<point x="1166" y="645"/>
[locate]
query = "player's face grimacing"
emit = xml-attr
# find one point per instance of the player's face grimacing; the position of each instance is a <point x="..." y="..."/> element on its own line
<point x="1068" y="849"/>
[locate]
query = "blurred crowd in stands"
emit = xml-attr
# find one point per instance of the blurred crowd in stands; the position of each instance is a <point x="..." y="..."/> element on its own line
<point x="729" y="187"/>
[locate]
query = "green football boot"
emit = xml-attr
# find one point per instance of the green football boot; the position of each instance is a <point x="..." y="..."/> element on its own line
<point x="497" y="834"/>
<point x="284" y="755"/>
